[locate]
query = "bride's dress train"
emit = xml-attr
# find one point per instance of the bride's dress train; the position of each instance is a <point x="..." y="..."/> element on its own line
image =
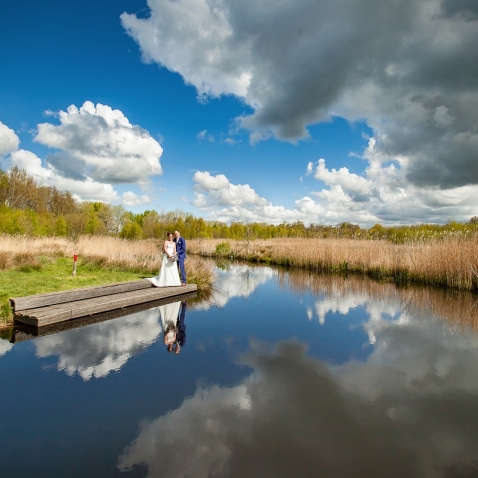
<point x="168" y="272"/>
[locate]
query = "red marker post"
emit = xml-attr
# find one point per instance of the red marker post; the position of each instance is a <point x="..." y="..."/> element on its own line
<point x="75" y="259"/>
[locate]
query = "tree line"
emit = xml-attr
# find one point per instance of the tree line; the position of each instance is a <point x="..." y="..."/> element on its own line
<point x="29" y="207"/>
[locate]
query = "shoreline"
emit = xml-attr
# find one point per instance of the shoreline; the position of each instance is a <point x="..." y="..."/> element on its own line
<point x="450" y="263"/>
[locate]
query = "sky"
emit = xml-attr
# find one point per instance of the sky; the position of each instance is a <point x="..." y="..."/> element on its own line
<point x="320" y="111"/>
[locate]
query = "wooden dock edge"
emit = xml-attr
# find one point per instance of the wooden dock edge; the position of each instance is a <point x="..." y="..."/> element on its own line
<point x="62" y="297"/>
<point x="67" y="311"/>
<point x="24" y="332"/>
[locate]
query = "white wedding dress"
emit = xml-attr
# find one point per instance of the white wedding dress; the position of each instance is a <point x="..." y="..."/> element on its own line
<point x="168" y="273"/>
<point x="169" y="317"/>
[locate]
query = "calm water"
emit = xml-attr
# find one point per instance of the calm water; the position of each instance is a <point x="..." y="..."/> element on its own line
<point x="278" y="375"/>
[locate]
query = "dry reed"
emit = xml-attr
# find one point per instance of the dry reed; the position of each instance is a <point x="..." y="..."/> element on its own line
<point x="451" y="261"/>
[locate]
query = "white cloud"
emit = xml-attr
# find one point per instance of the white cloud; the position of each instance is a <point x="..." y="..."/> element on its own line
<point x="349" y="182"/>
<point x="130" y="199"/>
<point x="101" y="143"/>
<point x="382" y="195"/>
<point x="9" y="141"/>
<point x="84" y="189"/>
<point x="411" y="75"/>
<point x="196" y="39"/>
<point x="230" y="141"/>
<point x="203" y="135"/>
<point x="214" y="191"/>
<point x="96" y="146"/>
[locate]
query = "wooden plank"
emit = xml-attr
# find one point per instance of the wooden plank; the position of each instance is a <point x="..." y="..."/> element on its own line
<point x="31" y="317"/>
<point x="52" y="298"/>
<point x="40" y="317"/>
<point x="23" y="332"/>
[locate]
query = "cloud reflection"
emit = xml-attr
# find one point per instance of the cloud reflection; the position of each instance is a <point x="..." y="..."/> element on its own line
<point x="97" y="350"/>
<point x="237" y="281"/>
<point x="5" y="347"/>
<point x="294" y="417"/>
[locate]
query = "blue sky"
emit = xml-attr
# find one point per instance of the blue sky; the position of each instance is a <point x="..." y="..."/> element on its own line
<point x="363" y="111"/>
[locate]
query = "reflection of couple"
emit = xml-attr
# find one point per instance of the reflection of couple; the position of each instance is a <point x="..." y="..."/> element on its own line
<point x="174" y="327"/>
<point x="174" y="253"/>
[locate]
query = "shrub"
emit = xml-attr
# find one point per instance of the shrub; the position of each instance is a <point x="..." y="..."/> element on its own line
<point x="223" y="249"/>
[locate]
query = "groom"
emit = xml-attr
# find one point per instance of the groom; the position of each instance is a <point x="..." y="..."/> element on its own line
<point x="181" y="251"/>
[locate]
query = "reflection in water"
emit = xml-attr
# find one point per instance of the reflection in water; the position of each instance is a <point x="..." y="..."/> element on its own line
<point x="336" y="294"/>
<point x="406" y="404"/>
<point x="173" y="320"/>
<point x="295" y="417"/>
<point x="5" y="346"/>
<point x="96" y="350"/>
<point x="236" y="281"/>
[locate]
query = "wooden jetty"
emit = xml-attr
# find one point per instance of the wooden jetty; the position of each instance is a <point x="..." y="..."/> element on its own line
<point x="46" y="309"/>
<point x="23" y="332"/>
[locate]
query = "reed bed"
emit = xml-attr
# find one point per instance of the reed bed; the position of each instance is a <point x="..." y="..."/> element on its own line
<point x="450" y="261"/>
<point x="96" y="251"/>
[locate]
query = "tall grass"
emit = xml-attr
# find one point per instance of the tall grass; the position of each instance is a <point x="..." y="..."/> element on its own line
<point x="450" y="261"/>
<point x="96" y="251"/>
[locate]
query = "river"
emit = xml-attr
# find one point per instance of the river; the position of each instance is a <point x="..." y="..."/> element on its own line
<point x="276" y="374"/>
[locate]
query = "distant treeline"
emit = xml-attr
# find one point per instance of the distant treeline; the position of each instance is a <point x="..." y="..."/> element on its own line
<point x="28" y="207"/>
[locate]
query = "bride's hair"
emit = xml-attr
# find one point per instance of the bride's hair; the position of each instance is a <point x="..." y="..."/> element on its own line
<point x="168" y="233"/>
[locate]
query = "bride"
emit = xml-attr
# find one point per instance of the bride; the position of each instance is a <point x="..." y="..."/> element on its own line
<point x="168" y="273"/>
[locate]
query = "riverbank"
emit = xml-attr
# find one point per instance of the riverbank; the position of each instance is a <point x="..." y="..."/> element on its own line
<point x="451" y="261"/>
<point x="38" y="265"/>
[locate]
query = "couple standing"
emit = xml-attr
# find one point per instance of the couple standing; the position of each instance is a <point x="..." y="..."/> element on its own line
<point x="173" y="256"/>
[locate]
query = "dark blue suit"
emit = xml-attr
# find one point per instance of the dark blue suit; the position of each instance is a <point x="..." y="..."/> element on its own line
<point x="181" y="332"/>
<point x="181" y="251"/>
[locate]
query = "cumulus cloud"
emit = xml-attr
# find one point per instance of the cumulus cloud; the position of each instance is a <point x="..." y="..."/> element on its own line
<point x="381" y="195"/>
<point x="220" y="192"/>
<point x="384" y="193"/>
<point x="407" y="69"/>
<point x="131" y="199"/>
<point x="9" y="141"/>
<point x="227" y="202"/>
<point x="82" y="188"/>
<point x="101" y="143"/>
<point x="96" y="147"/>
<point x="239" y="202"/>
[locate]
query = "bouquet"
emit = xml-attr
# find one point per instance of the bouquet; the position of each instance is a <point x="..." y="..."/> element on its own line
<point x="173" y="258"/>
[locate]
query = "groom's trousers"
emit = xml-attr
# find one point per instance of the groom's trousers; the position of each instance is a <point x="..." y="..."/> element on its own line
<point x="182" y="270"/>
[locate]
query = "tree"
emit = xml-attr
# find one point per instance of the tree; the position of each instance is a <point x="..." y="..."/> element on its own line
<point x="132" y="231"/>
<point x="61" y="228"/>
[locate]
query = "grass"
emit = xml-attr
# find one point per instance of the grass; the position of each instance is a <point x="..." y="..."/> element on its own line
<point x="31" y="266"/>
<point x="450" y="261"/>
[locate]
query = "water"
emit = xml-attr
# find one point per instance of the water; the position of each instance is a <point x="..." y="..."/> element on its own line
<point x="277" y="375"/>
